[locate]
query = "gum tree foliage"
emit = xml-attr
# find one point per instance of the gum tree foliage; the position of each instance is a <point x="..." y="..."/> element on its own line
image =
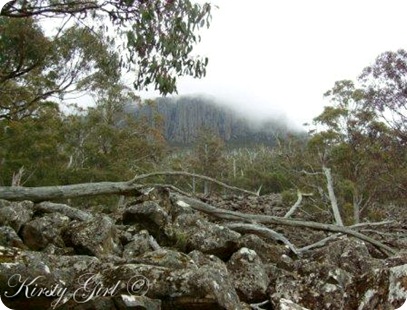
<point x="33" y="146"/>
<point x="385" y="89"/>
<point x="362" y="134"/>
<point x="35" y="68"/>
<point x="153" y="38"/>
<point x="95" y="43"/>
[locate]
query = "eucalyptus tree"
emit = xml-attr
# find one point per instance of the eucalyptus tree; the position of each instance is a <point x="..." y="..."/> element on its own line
<point x="356" y="141"/>
<point x="94" y="44"/>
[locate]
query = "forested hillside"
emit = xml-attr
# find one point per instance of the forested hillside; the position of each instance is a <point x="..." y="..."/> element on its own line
<point x="183" y="118"/>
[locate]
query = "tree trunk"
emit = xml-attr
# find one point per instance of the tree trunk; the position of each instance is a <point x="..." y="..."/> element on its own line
<point x="37" y="194"/>
<point x="332" y="197"/>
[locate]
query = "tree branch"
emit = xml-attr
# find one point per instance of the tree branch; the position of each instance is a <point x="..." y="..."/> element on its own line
<point x="262" y="231"/>
<point x="266" y="219"/>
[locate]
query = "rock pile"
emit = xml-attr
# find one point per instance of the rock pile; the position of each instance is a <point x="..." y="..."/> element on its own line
<point x="159" y="253"/>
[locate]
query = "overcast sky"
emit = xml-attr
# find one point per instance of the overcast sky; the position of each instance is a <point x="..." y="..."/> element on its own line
<point x="267" y="56"/>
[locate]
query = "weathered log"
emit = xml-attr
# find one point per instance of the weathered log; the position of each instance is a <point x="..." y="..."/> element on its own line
<point x="44" y="193"/>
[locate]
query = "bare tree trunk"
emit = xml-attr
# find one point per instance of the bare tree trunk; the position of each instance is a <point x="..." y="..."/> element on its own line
<point x="206" y="188"/>
<point x="356" y="209"/>
<point x="234" y="168"/>
<point x="295" y="206"/>
<point x="193" y="185"/>
<point x="17" y="177"/>
<point x="332" y="197"/>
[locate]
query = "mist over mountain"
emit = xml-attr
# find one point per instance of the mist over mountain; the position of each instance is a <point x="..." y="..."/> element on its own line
<point x="185" y="116"/>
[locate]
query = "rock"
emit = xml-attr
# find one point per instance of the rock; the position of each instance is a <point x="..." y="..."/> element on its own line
<point x="188" y="288"/>
<point x="347" y="253"/>
<point x="149" y="215"/>
<point x="285" y="304"/>
<point x="207" y="237"/>
<point x="26" y="270"/>
<point x="100" y="303"/>
<point x="15" y="214"/>
<point x="9" y="238"/>
<point x="41" y="231"/>
<point x="96" y="237"/>
<point x="138" y="246"/>
<point x="201" y="259"/>
<point x="180" y="207"/>
<point x="72" y="213"/>
<point x="384" y="288"/>
<point x="126" y="268"/>
<point x="125" y="302"/>
<point x="54" y="250"/>
<point x="249" y="275"/>
<point x="398" y="285"/>
<point x="269" y="252"/>
<point x="166" y="258"/>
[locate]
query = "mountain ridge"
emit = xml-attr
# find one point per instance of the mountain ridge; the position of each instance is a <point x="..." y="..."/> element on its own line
<point x="185" y="116"/>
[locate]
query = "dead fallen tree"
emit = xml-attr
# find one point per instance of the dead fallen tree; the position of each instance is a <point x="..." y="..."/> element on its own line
<point x="39" y="194"/>
<point x="44" y="193"/>
<point x="267" y="219"/>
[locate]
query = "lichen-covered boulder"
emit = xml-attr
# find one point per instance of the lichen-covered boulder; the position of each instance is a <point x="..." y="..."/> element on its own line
<point x="249" y="275"/>
<point x="201" y="259"/>
<point x="207" y="237"/>
<point x="285" y="304"/>
<point x="125" y="302"/>
<point x="72" y="213"/>
<point x="166" y="258"/>
<point x="312" y="285"/>
<point x="189" y="288"/>
<point x="139" y="245"/>
<point x="15" y="214"/>
<point x="9" y="238"/>
<point x="349" y="254"/>
<point x="384" y="288"/>
<point x="41" y="231"/>
<point x="25" y="273"/>
<point x="97" y="237"/>
<point x="269" y="252"/>
<point x="398" y="285"/>
<point x="148" y="215"/>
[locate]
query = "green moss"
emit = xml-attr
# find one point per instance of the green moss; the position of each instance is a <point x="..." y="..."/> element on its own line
<point x="180" y="240"/>
<point x="6" y="259"/>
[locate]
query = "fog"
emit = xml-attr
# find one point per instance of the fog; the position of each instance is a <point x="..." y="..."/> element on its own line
<point x="269" y="58"/>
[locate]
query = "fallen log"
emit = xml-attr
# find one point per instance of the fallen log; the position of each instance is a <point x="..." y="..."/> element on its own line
<point x="45" y="193"/>
<point x="267" y="219"/>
